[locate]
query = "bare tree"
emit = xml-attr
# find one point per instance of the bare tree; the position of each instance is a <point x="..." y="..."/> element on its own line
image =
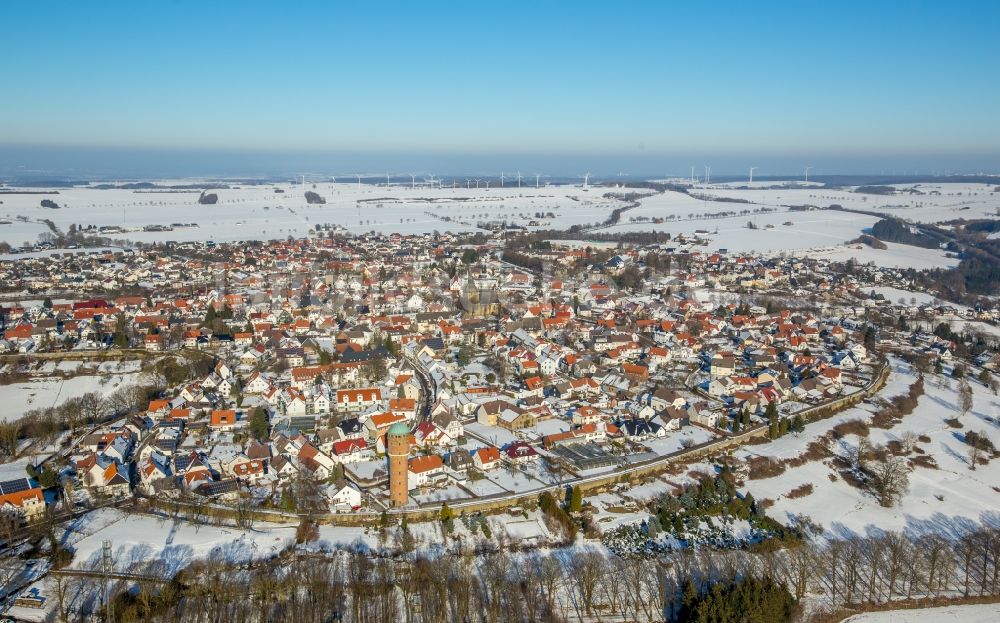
<point x="92" y="406"/>
<point x="62" y="586"/>
<point x="586" y="570"/>
<point x="909" y="441"/>
<point x="964" y="396"/>
<point x="937" y="561"/>
<point x="10" y="432"/>
<point x="861" y="453"/>
<point x="888" y="477"/>
<point x="245" y="513"/>
<point x="975" y="453"/>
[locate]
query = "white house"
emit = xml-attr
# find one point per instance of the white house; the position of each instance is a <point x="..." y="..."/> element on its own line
<point x="344" y="495"/>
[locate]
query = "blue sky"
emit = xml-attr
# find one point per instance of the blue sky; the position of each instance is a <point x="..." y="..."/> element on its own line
<point x="851" y="87"/>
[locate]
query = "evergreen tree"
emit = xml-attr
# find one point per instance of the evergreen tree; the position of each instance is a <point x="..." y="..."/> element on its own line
<point x="869" y="336"/>
<point x="773" y="427"/>
<point x="771" y="411"/>
<point x="689" y="601"/>
<point x="258" y="423"/>
<point x="984" y="377"/>
<point x="576" y="500"/>
<point x="48" y="477"/>
<point x="747" y="600"/>
<point x="798" y="425"/>
<point x="464" y="355"/>
<point x="447" y="518"/>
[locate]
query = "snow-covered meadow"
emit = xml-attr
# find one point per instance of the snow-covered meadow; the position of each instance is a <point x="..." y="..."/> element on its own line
<point x="270" y="211"/>
<point x="924" y="202"/>
<point x="171" y="544"/>
<point x="970" y="613"/>
<point x="47" y="387"/>
<point x="947" y="499"/>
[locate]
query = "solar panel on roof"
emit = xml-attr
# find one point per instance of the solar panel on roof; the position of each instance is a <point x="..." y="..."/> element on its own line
<point x="14" y="486"/>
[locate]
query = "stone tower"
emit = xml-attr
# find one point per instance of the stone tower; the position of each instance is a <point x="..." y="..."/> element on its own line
<point x="398" y="446"/>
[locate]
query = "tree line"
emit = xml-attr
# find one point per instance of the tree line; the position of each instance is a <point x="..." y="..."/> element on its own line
<point x="571" y="584"/>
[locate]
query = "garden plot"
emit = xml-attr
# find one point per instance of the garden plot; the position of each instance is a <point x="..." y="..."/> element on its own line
<point x="484" y="487"/>
<point x="531" y="529"/>
<point x="674" y="441"/>
<point x="451" y="492"/>
<point x="492" y="434"/>
<point x="515" y="480"/>
<point x="611" y="511"/>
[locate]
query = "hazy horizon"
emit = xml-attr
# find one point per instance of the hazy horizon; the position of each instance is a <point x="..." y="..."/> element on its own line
<point x="33" y="162"/>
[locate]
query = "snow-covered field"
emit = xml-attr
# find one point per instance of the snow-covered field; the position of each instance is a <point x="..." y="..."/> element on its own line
<point x="895" y="256"/>
<point x="973" y="613"/>
<point x="895" y="295"/>
<point x="260" y="212"/>
<point x="41" y="391"/>
<point x="173" y="544"/>
<point x="946" y="500"/>
<point x="925" y="202"/>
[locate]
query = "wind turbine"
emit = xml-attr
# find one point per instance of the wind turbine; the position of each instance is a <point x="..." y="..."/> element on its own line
<point x="586" y="179"/>
<point x="752" y="169"/>
<point x="387" y="180"/>
<point x="536" y="180"/>
<point x="359" y="181"/>
<point x="692" y="174"/>
<point x="708" y="173"/>
<point x="477" y="183"/>
<point x="807" y="173"/>
<point x="413" y="181"/>
<point x="518" y="179"/>
<point x="501" y="179"/>
<point x="466" y="183"/>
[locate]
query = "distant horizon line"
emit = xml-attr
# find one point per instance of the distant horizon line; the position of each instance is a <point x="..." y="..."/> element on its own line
<point x="107" y="163"/>
<point x="527" y="181"/>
